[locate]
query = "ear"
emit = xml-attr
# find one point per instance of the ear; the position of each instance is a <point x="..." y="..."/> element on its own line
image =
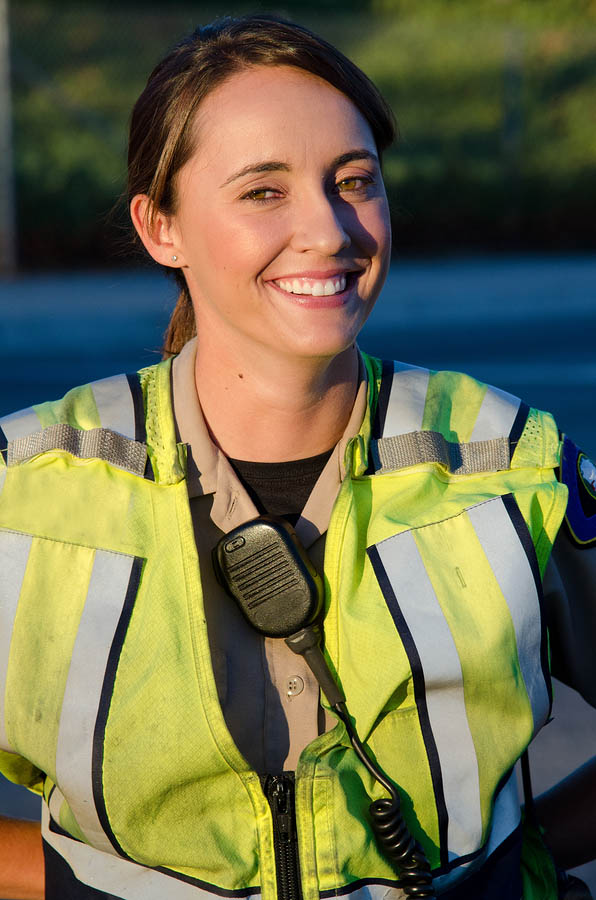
<point x="158" y="232"/>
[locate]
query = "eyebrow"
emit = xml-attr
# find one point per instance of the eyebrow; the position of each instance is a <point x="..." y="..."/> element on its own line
<point x="353" y="155"/>
<point x="275" y="166"/>
<point x="256" y="169"/>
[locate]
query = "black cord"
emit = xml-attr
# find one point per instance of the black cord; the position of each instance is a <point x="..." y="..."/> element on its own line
<point x="389" y="825"/>
<point x="342" y="712"/>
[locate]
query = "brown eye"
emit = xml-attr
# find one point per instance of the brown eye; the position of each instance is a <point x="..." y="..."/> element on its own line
<point x="356" y="183"/>
<point x="260" y="194"/>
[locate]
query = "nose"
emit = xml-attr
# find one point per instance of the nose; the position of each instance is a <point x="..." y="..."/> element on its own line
<point x="320" y="224"/>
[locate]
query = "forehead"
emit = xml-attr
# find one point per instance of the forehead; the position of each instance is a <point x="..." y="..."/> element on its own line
<point x="268" y="110"/>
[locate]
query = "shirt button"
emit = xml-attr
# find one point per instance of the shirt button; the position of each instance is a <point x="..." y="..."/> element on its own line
<point x="295" y="686"/>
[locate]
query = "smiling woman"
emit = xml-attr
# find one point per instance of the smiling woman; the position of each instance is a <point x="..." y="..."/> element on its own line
<point x="150" y="567"/>
<point x="281" y="229"/>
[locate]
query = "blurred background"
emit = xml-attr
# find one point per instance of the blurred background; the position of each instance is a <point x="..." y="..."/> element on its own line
<point x="492" y="188"/>
<point x="495" y="99"/>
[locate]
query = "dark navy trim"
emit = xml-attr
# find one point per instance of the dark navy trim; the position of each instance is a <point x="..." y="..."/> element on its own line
<point x="57" y="829"/>
<point x="420" y="696"/>
<point x="518" y="426"/>
<point x="210" y="888"/>
<point x="106" y="699"/>
<point x="470" y="857"/>
<point x="62" y="883"/>
<point x="387" y="374"/>
<point x="149" y="473"/>
<point x="139" y="407"/>
<point x="519" y="523"/>
<point x="356" y="885"/>
<point x="4" y="446"/>
<point x="499" y="878"/>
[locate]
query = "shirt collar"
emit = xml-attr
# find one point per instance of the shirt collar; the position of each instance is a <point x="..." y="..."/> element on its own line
<point x="209" y="471"/>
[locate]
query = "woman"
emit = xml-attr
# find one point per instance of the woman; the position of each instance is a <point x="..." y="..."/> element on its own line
<point x="163" y="730"/>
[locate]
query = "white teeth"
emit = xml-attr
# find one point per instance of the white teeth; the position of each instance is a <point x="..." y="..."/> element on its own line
<point x="314" y="288"/>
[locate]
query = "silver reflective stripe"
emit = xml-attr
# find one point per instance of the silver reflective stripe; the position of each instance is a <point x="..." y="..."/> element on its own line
<point x="506" y="818"/>
<point x="19" y="424"/>
<point x="444" y="689"/>
<point x="120" y="877"/>
<point x="506" y="815"/>
<point x="55" y="804"/>
<point x="14" y="553"/>
<point x="496" y="415"/>
<point x="407" y="399"/>
<point x="512" y="570"/>
<point x="105" y="599"/>
<point x="399" y="451"/>
<point x="115" y="405"/>
<point x="97" y="443"/>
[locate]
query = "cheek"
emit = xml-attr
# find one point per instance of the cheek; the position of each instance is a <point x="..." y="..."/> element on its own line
<point x="370" y="229"/>
<point x="243" y="245"/>
<point x="378" y="228"/>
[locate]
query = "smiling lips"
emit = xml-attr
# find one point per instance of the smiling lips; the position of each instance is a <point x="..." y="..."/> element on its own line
<point x="315" y="287"/>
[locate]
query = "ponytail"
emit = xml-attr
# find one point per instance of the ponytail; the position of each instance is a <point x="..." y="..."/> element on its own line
<point x="181" y="327"/>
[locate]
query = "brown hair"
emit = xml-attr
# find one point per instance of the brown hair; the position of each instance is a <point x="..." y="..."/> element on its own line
<point x="161" y="124"/>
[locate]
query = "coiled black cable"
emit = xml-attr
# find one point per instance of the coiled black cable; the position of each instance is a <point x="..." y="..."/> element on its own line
<point x="399" y="846"/>
<point x="390" y="827"/>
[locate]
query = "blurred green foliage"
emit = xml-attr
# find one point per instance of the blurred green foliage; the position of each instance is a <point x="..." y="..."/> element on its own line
<point x="495" y="99"/>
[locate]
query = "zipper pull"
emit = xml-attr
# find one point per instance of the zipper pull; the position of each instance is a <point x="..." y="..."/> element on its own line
<point x="279" y="797"/>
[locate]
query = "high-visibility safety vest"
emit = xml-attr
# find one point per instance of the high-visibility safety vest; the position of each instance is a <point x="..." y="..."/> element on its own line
<point x="434" y="555"/>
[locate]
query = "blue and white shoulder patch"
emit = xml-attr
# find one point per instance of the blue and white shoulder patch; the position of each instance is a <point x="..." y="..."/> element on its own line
<point x="579" y="474"/>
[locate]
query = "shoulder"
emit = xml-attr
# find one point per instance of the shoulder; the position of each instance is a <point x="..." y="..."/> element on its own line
<point x="104" y="418"/>
<point x="462" y="409"/>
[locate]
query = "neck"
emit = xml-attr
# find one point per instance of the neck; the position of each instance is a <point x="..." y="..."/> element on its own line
<point x="275" y="411"/>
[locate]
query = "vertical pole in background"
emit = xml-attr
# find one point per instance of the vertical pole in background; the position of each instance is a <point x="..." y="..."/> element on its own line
<point x="8" y="249"/>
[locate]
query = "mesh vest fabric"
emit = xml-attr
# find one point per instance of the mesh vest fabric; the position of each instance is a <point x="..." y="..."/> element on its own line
<point x="170" y="793"/>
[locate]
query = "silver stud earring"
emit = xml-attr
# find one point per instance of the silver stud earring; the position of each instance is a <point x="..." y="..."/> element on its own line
<point x="174" y="258"/>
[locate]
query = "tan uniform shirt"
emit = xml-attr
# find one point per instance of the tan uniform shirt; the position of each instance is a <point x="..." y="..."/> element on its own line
<point x="269" y="697"/>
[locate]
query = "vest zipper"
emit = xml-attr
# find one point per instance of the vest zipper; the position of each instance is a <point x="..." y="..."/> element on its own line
<point x="279" y="790"/>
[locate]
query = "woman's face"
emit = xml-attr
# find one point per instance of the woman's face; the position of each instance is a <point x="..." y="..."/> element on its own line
<point x="282" y="224"/>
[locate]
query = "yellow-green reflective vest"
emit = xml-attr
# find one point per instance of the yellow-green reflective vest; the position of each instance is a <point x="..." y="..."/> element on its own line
<point x="437" y="543"/>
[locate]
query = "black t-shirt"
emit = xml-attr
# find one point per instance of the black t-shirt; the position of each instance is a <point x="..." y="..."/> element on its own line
<point x="281" y="488"/>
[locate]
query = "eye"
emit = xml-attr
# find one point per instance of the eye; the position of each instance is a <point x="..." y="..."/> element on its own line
<point x="354" y="183"/>
<point x="260" y="195"/>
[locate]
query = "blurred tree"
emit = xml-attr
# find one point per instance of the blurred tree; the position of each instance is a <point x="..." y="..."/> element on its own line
<point x="494" y="100"/>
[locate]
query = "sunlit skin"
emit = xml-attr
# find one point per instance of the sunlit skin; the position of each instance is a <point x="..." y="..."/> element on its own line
<point x="284" y="185"/>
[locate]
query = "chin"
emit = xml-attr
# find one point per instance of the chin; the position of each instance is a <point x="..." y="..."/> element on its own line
<point x="324" y="349"/>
